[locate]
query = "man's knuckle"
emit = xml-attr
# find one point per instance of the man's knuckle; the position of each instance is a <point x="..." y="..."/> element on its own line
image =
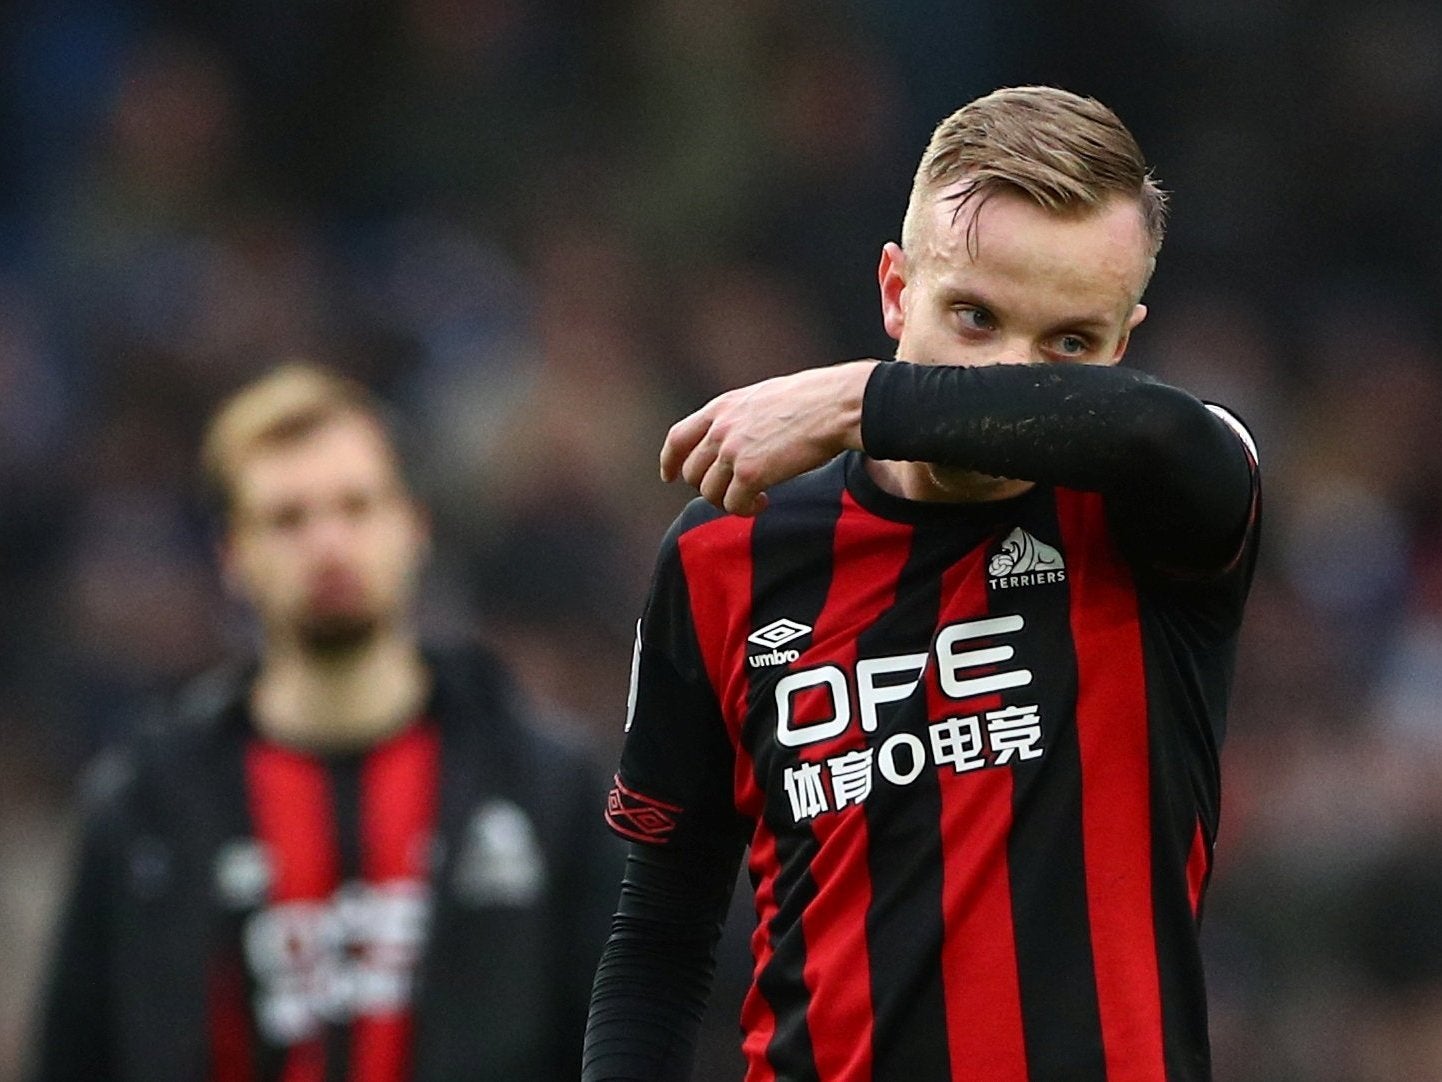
<point x="748" y="474"/>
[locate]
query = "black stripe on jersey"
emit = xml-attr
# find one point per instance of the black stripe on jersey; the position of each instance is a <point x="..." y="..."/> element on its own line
<point x="780" y="544"/>
<point x="904" y="837"/>
<point x="231" y="804"/>
<point x="1184" y="788"/>
<point x="1061" y="1019"/>
<point x="345" y="785"/>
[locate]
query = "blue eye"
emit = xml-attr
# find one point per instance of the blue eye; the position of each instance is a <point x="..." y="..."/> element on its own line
<point x="975" y="319"/>
<point x="1072" y="345"/>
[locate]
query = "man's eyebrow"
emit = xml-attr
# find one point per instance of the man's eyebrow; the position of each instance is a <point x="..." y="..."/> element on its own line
<point x="956" y="291"/>
<point x="960" y="293"/>
<point x="1084" y="323"/>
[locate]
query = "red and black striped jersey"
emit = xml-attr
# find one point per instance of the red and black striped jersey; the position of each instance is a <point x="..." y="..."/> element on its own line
<point x="427" y="908"/>
<point x="974" y="751"/>
<point x="330" y="893"/>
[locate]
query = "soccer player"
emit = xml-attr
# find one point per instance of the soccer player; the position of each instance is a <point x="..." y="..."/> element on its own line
<point x="956" y="665"/>
<point x="351" y="858"/>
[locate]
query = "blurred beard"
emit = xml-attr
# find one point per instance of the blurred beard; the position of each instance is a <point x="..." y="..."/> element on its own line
<point x="337" y="634"/>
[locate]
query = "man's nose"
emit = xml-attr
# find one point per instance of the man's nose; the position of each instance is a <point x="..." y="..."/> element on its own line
<point x="328" y="531"/>
<point x="1016" y="351"/>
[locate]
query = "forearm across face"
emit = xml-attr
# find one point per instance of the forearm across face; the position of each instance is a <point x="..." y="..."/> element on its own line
<point x="1169" y="466"/>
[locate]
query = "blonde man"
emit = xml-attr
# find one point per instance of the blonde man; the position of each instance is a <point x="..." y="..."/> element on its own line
<point x="351" y="858"/>
<point x="955" y="666"/>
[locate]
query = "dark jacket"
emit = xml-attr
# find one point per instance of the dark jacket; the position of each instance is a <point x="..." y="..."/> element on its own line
<point x="501" y="988"/>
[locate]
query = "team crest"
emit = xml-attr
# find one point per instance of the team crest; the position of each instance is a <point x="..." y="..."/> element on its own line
<point x="243" y="873"/>
<point x="1025" y="561"/>
<point x="500" y="862"/>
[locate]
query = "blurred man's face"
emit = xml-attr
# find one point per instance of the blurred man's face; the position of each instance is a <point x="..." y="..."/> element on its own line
<point x="324" y="541"/>
<point x="1034" y="286"/>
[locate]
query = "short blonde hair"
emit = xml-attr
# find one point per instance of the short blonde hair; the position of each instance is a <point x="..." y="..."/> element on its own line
<point x="287" y="405"/>
<point x="1067" y="153"/>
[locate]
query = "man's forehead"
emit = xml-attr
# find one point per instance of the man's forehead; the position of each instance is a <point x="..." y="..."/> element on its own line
<point x="963" y="228"/>
<point x="346" y="448"/>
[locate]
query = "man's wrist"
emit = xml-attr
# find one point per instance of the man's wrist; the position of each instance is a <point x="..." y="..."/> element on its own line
<point x="852" y="400"/>
<point x="872" y="408"/>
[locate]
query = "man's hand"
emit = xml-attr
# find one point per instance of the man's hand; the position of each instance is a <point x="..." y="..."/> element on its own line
<point x="742" y="442"/>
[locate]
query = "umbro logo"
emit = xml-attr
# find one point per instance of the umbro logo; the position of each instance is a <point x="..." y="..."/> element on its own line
<point x="776" y="635"/>
<point x="1025" y="561"/>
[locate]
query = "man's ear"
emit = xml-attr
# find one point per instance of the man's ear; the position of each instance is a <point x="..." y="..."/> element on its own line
<point x="1139" y="313"/>
<point x="891" y="275"/>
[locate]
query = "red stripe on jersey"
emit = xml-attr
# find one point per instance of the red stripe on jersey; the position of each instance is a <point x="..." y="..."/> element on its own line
<point x="749" y="800"/>
<point x="869" y="554"/>
<point x="1116" y="798"/>
<point x="399" y="783"/>
<point x="305" y="1063"/>
<point x="1198" y="863"/>
<point x="229" y="1022"/>
<point x="291" y="808"/>
<point x="758" y="1021"/>
<point x="838" y="965"/>
<point x="722" y="611"/>
<point x="381" y="1048"/>
<point x="978" y="951"/>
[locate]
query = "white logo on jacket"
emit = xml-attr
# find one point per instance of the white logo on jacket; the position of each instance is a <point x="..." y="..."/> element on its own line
<point x="500" y="862"/>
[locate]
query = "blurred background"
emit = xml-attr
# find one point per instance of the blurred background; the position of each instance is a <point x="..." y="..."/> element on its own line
<point x="547" y="228"/>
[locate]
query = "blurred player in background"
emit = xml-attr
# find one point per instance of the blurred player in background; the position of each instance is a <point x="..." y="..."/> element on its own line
<point x="961" y="683"/>
<point x="352" y="858"/>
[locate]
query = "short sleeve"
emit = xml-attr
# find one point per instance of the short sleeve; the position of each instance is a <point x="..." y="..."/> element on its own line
<point x="1243" y="557"/>
<point x="674" y="785"/>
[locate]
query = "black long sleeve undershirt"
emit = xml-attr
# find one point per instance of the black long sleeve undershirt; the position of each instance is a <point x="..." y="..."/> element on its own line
<point x="1176" y="477"/>
<point x="655" y="973"/>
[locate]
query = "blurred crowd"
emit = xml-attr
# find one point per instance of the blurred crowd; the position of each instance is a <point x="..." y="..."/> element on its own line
<point x="545" y="229"/>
